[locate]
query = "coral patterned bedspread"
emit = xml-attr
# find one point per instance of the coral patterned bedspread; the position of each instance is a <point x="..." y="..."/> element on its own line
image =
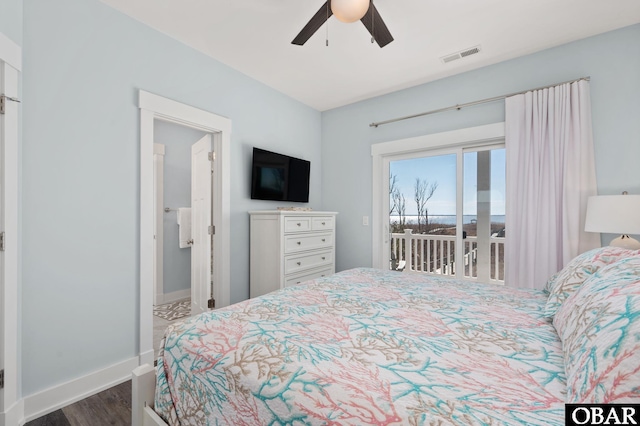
<point x="367" y="347"/>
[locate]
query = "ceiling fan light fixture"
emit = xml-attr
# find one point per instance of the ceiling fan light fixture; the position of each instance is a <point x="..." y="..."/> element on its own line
<point x="349" y="10"/>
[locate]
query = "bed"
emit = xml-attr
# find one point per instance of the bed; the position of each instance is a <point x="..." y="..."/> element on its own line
<point x="366" y="346"/>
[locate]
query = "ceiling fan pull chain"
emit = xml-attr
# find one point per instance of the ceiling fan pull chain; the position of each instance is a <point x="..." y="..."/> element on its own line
<point x="327" y="24"/>
<point x="373" y="25"/>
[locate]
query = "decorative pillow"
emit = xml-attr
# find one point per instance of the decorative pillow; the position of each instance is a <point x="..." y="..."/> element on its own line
<point x="599" y="326"/>
<point x="563" y="284"/>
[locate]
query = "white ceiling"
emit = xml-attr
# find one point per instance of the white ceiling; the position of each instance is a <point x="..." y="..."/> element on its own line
<point x="254" y="37"/>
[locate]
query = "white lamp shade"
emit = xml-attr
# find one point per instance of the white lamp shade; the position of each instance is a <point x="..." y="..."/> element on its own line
<point x="613" y="214"/>
<point x="349" y="10"/>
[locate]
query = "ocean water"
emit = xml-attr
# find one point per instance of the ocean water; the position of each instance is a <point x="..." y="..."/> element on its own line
<point x="448" y="219"/>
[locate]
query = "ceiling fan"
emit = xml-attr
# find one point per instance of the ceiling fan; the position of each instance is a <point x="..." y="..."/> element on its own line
<point x="348" y="11"/>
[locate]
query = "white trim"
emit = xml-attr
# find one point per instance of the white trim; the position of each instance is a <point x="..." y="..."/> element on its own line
<point x="158" y="223"/>
<point x="157" y="107"/>
<point x="14" y="415"/>
<point x="10" y="52"/>
<point x="479" y="134"/>
<point x="182" y="113"/>
<point x="10" y="402"/>
<point x="174" y="296"/>
<point x="459" y="247"/>
<point x="383" y="152"/>
<point x="56" y="397"/>
<point x="146" y="234"/>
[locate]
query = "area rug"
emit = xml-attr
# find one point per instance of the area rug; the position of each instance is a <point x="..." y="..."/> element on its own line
<point x="173" y="311"/>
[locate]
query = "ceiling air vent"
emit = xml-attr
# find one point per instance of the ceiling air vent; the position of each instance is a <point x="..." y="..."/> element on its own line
<point x="459" y="55"/>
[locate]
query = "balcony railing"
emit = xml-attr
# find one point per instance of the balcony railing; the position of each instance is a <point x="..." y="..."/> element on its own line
<point x="436" y="254"/>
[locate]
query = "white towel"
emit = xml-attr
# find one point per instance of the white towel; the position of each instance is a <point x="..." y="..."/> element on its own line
<point x="184" y="226"/>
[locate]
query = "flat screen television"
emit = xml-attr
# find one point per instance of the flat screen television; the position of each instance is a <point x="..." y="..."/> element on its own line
<point x="279" y="177"/>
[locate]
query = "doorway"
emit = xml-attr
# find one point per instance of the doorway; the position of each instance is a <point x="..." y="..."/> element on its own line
<point x="152" y="108"/>
<point x="183" y="264"/>
<point x="173" y="177"/>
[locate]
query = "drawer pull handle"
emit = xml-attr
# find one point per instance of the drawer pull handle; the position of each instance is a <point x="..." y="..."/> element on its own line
<point x="324" y="239"/>
<point x="299" y="243"/>
<point x="323" y="223"/>
<point x="299" y="263"/>
<point x="299" y="224"/>
<point x="322" y="275"/>
<point x="298" y="282"/>
<point x="323" y="258"/>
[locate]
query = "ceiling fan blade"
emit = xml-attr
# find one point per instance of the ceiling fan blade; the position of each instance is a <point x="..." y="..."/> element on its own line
<point x="377" y="27"/>
<point x="313" y="25"/>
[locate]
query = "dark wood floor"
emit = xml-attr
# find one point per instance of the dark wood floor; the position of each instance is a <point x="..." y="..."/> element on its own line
<point x="109" y="407"/>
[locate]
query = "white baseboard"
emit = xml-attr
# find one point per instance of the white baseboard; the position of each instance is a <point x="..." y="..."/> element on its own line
<point x="14" y="415"/>
<point x="174" y="296"/>
<point x="54" y="398"/>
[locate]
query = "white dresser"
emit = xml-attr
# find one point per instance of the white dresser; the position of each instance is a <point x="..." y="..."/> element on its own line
<point x="289" y="247"/>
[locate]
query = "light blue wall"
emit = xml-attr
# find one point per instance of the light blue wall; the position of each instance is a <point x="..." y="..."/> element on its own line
<point x="177" y="193"/>
<point x="11" y="20"/>
<point x="83" y="65"/>
<point x="612" y="60"/>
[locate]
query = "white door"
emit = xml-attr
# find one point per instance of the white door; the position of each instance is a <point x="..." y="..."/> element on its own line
<point x="9" y="77"/>
<point x="201" y="224"/>
<point x="2" y="303"/>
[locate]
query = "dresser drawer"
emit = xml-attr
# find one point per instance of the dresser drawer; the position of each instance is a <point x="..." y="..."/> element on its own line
<point x="301" y="262"/>
<point x="289" y="282"/>
<point x="297" y="224"/>
<point x="302" y="242"/>
<point x="322" y="223"/>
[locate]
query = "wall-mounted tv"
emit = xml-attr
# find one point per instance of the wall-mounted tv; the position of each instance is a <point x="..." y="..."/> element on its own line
<point x="279" y="177"/>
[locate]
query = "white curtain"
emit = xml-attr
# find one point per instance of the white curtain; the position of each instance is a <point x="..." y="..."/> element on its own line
<point x="550" y="175"/>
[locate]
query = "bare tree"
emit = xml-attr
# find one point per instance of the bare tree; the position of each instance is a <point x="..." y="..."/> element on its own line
<point x="400" y="207"/>
<point x="393" y="187"/>
<point x="423" y="192"/>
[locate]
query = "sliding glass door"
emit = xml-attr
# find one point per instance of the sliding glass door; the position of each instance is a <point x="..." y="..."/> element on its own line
<point x="423" y="212"/>
<point x="446" y="212"/>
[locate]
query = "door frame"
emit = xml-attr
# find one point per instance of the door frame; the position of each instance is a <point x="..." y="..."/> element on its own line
<point x="158" y="224"/>
<point x="11" y="405"/>
<point x="383" y="152"/>
<point x="155" y="107"/>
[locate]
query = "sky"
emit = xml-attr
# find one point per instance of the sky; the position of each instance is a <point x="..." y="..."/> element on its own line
<point x="442" y="169"/>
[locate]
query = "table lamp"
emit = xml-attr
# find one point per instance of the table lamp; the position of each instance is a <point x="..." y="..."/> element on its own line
<point x="615" y="214"/>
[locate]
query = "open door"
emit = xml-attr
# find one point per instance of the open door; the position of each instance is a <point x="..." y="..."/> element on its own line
<point x="201" y="224"/>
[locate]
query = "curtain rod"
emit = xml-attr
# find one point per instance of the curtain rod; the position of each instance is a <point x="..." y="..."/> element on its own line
<point x="468" y="104"/>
